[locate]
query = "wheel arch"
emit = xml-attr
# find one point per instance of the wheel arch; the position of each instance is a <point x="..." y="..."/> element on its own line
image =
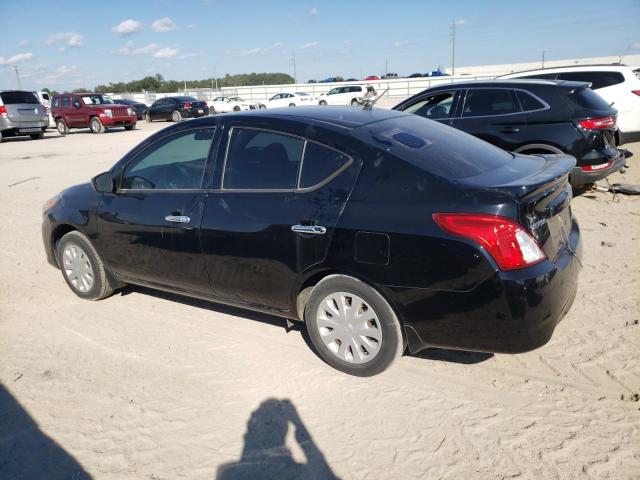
<point x="57" y="234"/>
<point x="544" y="147"/>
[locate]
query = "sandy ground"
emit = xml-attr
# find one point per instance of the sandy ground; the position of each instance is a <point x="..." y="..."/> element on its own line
<point x="153" y="386"/>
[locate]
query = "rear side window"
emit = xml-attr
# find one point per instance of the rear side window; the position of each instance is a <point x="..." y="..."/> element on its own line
<point x="66" y="102"/>
<point x="45" y="96"/>
<point x="587" y="99"/>
<point x="10" y="98"/>
<point x="260" y="159"/>
<point x="597" y="79"/>
<point x="528" y="101"/>
<point x="489" y="101"/>
<point x="433" y="147"/>
<point x="319" y="164"/>
<point x="56" y="102"/>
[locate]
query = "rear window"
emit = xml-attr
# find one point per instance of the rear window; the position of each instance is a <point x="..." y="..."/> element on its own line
<point x="597" y="79"/>
<point x="431" y="146"/>
<point x="587" y="99"/>
<point x="10" y="98"/>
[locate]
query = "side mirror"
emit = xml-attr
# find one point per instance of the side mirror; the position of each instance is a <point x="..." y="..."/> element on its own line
<point x="103" y="183"/>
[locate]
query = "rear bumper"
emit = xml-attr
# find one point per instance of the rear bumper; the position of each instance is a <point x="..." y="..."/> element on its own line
<point x="581" y="177"/>
<point x="194" y="113"/>
<point x="511" y="312"/>
<point x="16" y="127"/>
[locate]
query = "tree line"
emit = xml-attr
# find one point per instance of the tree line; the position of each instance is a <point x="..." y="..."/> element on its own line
<point x="157" y="83"/>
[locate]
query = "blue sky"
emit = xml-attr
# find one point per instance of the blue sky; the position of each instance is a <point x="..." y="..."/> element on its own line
<point x="81" y="44"/>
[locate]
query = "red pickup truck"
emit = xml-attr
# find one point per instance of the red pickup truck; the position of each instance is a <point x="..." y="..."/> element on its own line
<point x="96" y="111"/>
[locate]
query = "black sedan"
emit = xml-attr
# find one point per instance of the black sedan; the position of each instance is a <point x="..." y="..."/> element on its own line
<point x="176" y="108"/>
<point x="140" y="108"/>
<point x="378" y="229"/>
<point x="531" y="117"/>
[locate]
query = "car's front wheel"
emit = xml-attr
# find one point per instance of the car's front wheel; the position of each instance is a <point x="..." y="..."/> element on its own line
<point x="292" y="104"/>
<point x="130" y="127"/>
<point x="82" y="267"/>
<point x="148" y="118"/>
<point x="176" y="116"/>
<point x="322" y="102"/>
<point x="96" y="125"/>
<point x="354" y="103"/>
<point x="236" y="108"/>
<point x="352" y="326"/>
<point x="61" y="126"/>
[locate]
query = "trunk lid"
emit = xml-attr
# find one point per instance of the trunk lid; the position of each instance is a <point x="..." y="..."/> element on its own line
<point x="539" y="184"/>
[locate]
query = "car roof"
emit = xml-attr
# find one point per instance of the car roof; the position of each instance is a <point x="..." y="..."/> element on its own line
<point x="575" y="68"/>
<point x="345" y="117"/>
<point x="512" y="82"/>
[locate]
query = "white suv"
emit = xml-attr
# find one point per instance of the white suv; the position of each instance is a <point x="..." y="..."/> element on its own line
<point x="617" y="84"/>
<point x="352" y="95"/>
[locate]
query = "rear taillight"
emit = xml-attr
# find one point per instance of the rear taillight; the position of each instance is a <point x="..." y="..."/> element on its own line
<point x="637" y="92"/>
<point x="505" y="240"/>
<point x="3" y="111"/>
<point x="187" y="105"/>
<point x="598" y="123"/>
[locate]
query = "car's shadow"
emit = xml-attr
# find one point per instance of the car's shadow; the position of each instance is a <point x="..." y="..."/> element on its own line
<point x="434" y="354"/>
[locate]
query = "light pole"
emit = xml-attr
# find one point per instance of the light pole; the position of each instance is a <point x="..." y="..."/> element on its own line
<point x="15" y="67"/>
<point x="453" y="48"/>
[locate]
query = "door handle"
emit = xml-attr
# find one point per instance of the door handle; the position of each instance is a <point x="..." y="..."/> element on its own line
<point x="311" y="229"/>
<point x="510" y="130"/>
<point x="177" y="218"/>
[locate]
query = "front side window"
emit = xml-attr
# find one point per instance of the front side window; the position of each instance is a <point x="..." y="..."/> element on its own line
<point x="260" y="159"/>
<point x="489" y="101"/>
<point x="175" y="162"/>
<point x="434" y="106"/>
<point x="333" y="91"/>
<point x="319" y="164"/>
<point x="275" y="97"/>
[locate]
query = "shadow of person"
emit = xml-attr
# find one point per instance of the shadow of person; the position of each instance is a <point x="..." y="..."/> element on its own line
<point x="265" y="454"/>
<point x="28" y="453"/>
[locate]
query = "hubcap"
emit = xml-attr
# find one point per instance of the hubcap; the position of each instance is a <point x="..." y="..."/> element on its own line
<point x="60" y="127"/>
<point x="176" y="117"/>
<point x="95" y="125"/>
<point x="77" y="267"/>
<point x="349" y="327"/>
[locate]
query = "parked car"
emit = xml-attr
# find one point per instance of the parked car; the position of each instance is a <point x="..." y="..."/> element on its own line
<point x="176" y="108"/>
<point x="371" y="78"/>
<point x="415" y="75"/>
<point x="390" y="76"/>
<point x="312" y="81"/>
<point x="530" y="117"/>
<point x="139" y="107"/>
<point x="95" y="111"/>
<point x="45" y="99"/>
<point x="376" y="228"/>
<point x="21" y="114"/>
<point x="286" y="99"/>
<point x="330" y="80"/>
<point x="224" y="104"/>
<point x="352" y="95"/>
<point x="617" y="84"/>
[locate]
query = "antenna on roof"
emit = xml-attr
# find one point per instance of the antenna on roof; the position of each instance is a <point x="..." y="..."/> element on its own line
<point x="368" y="103"/>
<point x="624" y="54"/>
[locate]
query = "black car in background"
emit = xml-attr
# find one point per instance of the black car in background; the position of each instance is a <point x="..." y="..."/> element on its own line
<point x="140" y="108"/>
<point x="376" y="228"/>
<point x="176" y="108"/>
<point x="530" y="117"/>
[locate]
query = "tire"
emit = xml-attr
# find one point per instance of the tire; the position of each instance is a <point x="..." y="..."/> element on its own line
<point x="236" y="108"/>
<point x="1" y="137"/>
<point x="148" y="118"/>
<point x="292" y="104"/>
<point x="130" y="127"/>
<point x="176" y="116"/>
<point x="37" y="136"/>
<point x="76" y="256"/>
<point x="323" y="103"/>
<point x="385" y="343"/>
<point x="61" y="126"/>
<point x="354" y="103"/>
<point x="95" y="125"/>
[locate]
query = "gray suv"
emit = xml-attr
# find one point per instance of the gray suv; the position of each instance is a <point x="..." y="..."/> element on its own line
<point x="21" y="114"/>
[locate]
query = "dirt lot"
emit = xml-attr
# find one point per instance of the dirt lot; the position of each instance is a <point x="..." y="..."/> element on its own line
<point x="153" y="386"/>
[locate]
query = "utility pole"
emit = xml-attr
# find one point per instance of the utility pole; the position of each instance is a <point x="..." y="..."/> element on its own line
<point x="295" y="72"/>
<point x="543" y="58"/>
<point x="15" y="67"/>
<point x="453" y="48"/>
<point x="215" y="74"/>
<point x="386" y="70"/>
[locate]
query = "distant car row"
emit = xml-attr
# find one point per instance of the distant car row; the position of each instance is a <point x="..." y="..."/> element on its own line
<point x="386" y="76"/>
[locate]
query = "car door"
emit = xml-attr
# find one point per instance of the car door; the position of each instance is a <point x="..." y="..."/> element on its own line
<point x="439" y="106"/>
<point x="493" y="115"/>
<point x="155" y="109"/>
<point x="75" y="115"/>
<point x="269" y="222"/>
<point x="149" y="226"/>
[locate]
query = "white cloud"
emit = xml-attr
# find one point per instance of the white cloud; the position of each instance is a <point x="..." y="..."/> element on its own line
<point x="189" y="55"/>
<point x="68" y="40"/>
<point x="313" y="12"/>
<point x="61" y="71"/>
<point x="25" y="44"/>
<point x="166" y="53"/>
<point x="309" y="45"/>
<point x="19" y="57"/>
<point x="129" y="50"/>
<point x="462" y="21"/>
<point x="127" y="27"/>
<point x="163" y="25"/>
<point x="399" y="43"/>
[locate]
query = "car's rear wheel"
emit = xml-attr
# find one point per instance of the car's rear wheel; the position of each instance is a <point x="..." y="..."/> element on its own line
<point x="176" y="116"/>
<point x="130" y="127"/>
<point x="236" y="108"/>
<point x="82" y="267"/>
<point x="1" y="137"/>
<point x="292" y="104"/>
<point x="147" y="118"/>
<point x="352" y="326"/>
<point x="96" y="125"/>
<point x="322" y="102"/>
<point x="37" y="136"/>
<point x="61" y="126"/>
<point x="354" y="103"/>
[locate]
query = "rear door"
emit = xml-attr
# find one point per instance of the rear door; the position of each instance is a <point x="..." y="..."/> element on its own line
<point x="149" y="227"/>
<point x="270" y="220"/>
<point x="493" y="115"/>
<point x="23" y="109"/>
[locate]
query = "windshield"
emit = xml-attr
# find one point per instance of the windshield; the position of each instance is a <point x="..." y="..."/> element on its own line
<point x="97" y="99"/>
